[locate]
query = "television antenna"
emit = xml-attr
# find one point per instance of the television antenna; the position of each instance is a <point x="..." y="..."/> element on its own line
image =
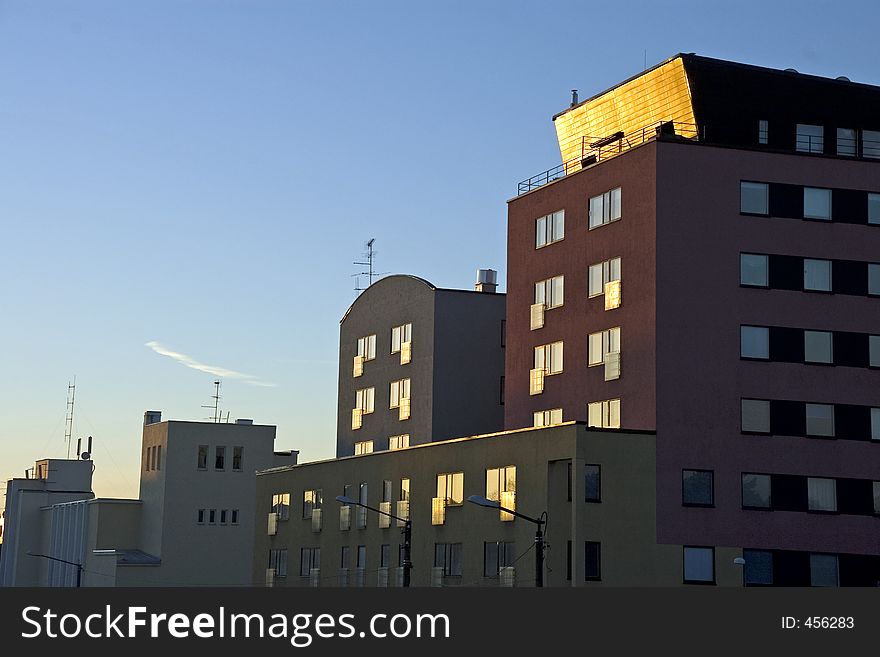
<point x="216" y="405"/>
<point x="68" y="423"/>
<point x="369" y="254"/>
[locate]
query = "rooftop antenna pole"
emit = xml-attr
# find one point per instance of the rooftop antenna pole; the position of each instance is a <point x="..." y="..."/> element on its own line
<point x="68" y="426"/>
<point x="216" y="404"/>
<point x="369" y="255"/>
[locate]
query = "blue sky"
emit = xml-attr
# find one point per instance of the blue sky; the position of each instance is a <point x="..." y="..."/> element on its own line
<point x="201" y="175"/>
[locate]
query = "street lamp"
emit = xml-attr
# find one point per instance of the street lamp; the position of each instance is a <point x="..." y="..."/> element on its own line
<point x="539" y="534"/>
<point x="79" y="567"/>
<point x="407" y="533"/>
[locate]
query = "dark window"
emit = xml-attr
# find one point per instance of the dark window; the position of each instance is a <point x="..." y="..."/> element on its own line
<point x="234" y="519"/>
<point x="756" y="491"/>
<point x="568" y="562"/>
<point x="592" y="564"/>
<point x="448" y="557"/>
<point x="697" y="488"/>
<point x="219" y="458"/>
<point x="202" y="463"/>
<point x="384" y="555"/>
<point x="592" y="483"/>
<point x="758" y="568"/>
<point x="237" y="453"/>
<point x="501" y="385"/>
<point x="497" y="555"/>
<point x="201" y="516"/>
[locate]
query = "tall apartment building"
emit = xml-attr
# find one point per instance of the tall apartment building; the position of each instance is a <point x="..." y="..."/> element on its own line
<point x="705" y="263"/>
<point x="419" y="363"/>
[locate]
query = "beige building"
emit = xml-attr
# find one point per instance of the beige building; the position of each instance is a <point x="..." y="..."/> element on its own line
<point x="600" y="513"/>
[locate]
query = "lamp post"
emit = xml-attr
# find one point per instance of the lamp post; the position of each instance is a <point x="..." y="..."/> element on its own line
<point x="407" y="534"/>
<point x="79" y="567"/>
<point x="539" y="533"/>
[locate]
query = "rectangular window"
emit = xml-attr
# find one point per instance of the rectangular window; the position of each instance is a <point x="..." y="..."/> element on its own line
<point x="699" y="565"/>
<point x="755" y="491"/>
<point x="763" y="131"/>
<point x="312" y="499"/>
<point x="753" y="270"/>
<point x="550" y="292"/>
<point x="386" y="490"/>
<point x="448" y="557"/>
<point x="200" y="517"/>
<point x="818" y="347"/>
<point x="592" y="483"/>
<point x="212" y="516"/>
<point x="398" y="442"/>
<point x="754" y="342"/>
<point x="755" y="416"/>
<point x="450" y="486"/>
<point x="592" y="571"/>
<point x="817" y="203"/>
<point x="549" y="358"/>
<point x="821" y="494"/>
<point x="404" y="490"/>
<point x="873" y="279"/>
<point x="874" y="209"/>
<point x="548" y="417"/>
<point x="820" y="419"/>
<point x="600" y="274"/>
<point x="362" y="556"/>
<point x="278" y="562"/>
<point x="600" y="344"/>
<point x="549" y="229"/>
<point x="343" y="556"/>
<point x="697" y="487"/>
<point x="281" y="505"/>
<point x="877" y="498"/>
<point x="237" y="454"/>
<point x="810" y="138"/>
<point x="363" y="447"/>
<point x="758" y="568"/>
<point x="874" y="350"/>
<point x="847" y="141"/>
<point x="500" y="480"/>
<point x="605" y="208"/>
<point x="875" y="424"/>
<point x="219" y="458"/>
<point x="202" y="463"/>
<point x="234" y="519"/>
<point x="364" y="400"/>
<point x="604" y="414"/>
<point x="384" y="555"/>
<point x="497" y="555"/>
<point x="817" y="275"/>
<point x="399" y="335"/>
<point x="871" y="144"/>
<point x="223" y="515"/>
<point x="366" y="347"/>
<point x="158" y="457"/>
<point x="309" y="558"/>
<point x="823" y="570"/>
<point x="399" y="390"/>
<point x="754" y="198"/>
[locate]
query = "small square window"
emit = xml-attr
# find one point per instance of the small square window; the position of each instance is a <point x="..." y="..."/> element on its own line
<point x="821" y="494"/>
<point x="817" y="203"/>
<point x="758" y="568"/>
<point x="823" y="570"/>
<point x="699" y="565"/>
<point x="696" y="488"/>
<point x="755" y="491"/>
<point x="818" y="347"/>
<point x="754" y="342"/>
<point x="755" y="416"/>
<point x="753" y="270"/>
<point x="754" y="198"/>
<point x="820" y="419"/>
<point x="817" y="275"/>
<point x="871" y="144"/>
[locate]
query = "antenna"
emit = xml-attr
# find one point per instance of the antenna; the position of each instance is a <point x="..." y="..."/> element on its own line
<point x="68" y="427"/>
<point x="216" y="404"/>
<point x="369" y="255"/>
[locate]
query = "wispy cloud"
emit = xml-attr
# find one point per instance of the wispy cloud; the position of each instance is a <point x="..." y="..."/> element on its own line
<point x="214" y="370"/>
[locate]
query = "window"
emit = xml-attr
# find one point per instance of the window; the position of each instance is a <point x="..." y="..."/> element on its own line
<point x="399" y="390"/>
<point x="497" y="555"/>
<point x="547" y="418"/>
<point x="605" y="208"/>
<point x="601" y="344"/>
<point x="363" y="498"/>
<point x="754" y="198"/>
<point x="820" y="419"/>
<point x="450" y="487"/>
<point x="223" y="514"/>
<point x="817" y="275"/>
<point x="592" y="483"/>
<point x="874" y="350"/>
<point x="366" y="347"/>
<point x="696" y="488"/>
<point x="363" y="447"/>
<point x="817" y="203"/>
<point x="399" y="335"/>
<point x="699" y="565"/>
<point x="212" y="516"/>
<point x="404" y="490"/>
<point x="592" y="571"/>
<point x="234" y="517"/>
<point x="873" y="279"/>
<point x="398" y="442"/>
<point x="847" y="141"/>
<point x="754" y="342"/>
<point x="237" y="453"/>
<point x="755" y="416"/>
<point x="548" y="357"/>
<point x="500" y="480"/>
<point x="604" y="414"/>
<point x="384" y="555"/>
<point x="763" y="131"/>
<point x="278" y="562"/>
<point x="281" y="505"/>
<point x="758" y="568"/>
<point x="875" y="424"/>
<point x="202" y="463"/>
<point x="309" y="558"/>
<point x="364" y="400"/>
<point x="448" y="557"/>
<point x="312" y="499"/>
<point x="823" y="570"/>
<point x="549" y="229"/>
<point x="877" y="497"/>
<point x="755" y="491"/>
<point x="362" y="556"/>
<point x="874" y="209"/>
<point x="818" y="347"/>
<point x="343" y="556"/>
<point x="386" y="490"/>
<point x="219" y="458"/>
<point x="753" y="270"/>
<point x="550" y="292"/>
<point x="821" y="494"/>
<point x="871" y="144"/>
<point x="810" y="138"/>
<point x="158" y="457"/>
<point x="200" y="517"/>
<point x="600" y="274"/>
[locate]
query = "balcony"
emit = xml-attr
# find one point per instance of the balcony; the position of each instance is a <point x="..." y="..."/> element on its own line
<point x="612" y="295"/>
<point x="438" y="510"/>
<point x="382" y="577"/>
<point x="507" y="576"/>
<point x="357" y="418"/>
<point x="361" y="518"/>
<point x="315" y="577"/>
<point x="270" y="577"/>
<point x="384" y="521"/>
<point x="612" y="365"/>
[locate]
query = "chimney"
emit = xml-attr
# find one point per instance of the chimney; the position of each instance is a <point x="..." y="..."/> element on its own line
<point x="574" y="97"/>
<point x="487" y="281"/>
<point x="242" y="420"/>
<point x="152" y="417"/>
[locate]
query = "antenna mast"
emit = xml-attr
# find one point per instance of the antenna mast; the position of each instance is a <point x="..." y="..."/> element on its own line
<point x="369" y="255"/>
<point x="216" y="405"/>
<point x="68" y="426"/>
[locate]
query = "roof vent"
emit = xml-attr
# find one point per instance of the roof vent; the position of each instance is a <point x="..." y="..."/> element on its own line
<point x="487" y="281"/>
<point x="791" y="70"/>
<point x="574" y="97"/>
<point x="843" y="78"/>
<point x="244" y="421"/>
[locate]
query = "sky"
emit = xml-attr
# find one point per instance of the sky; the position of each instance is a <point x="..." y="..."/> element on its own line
<point x="185" y="185"/>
